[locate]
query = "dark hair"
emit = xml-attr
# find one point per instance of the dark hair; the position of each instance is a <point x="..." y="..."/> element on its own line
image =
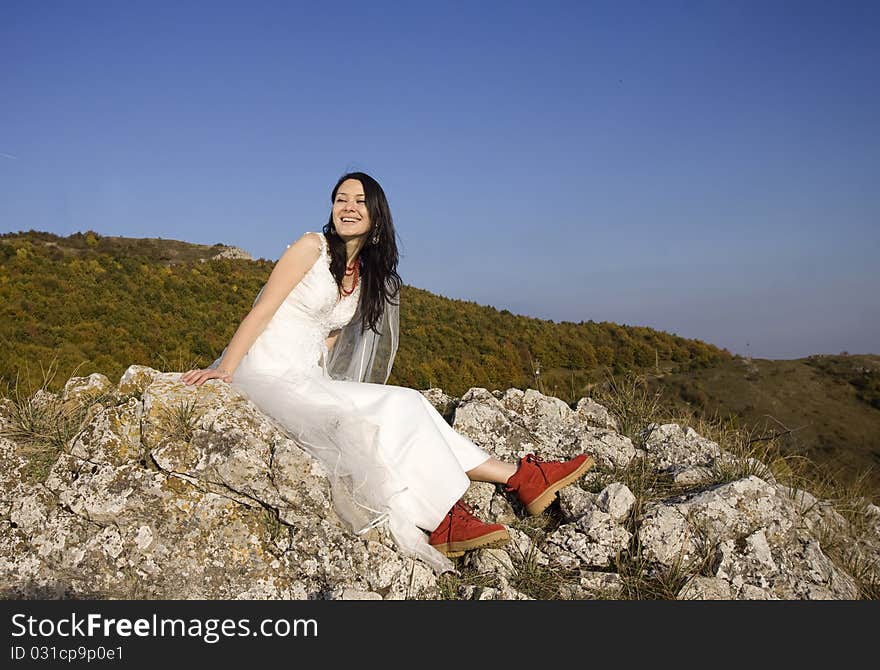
<point x="378" y="262"/>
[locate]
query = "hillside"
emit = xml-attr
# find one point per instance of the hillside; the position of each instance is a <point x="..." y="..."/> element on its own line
<point x="827" y="408"/>
<point x="89" y="303"/>
<point x="105" y="303"/>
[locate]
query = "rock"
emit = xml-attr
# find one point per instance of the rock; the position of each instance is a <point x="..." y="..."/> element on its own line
<point x="738" y="509"/>
<point x="666" y="537"/>
<point x="593" y="586"/>
<point x="575" y="502"/>
<point x="594" y="540"/>
<point x="819" y="516"/>
<point x="617" y="500"/>
<point x="691" y="475"/>
<point x="471" y="592"/>
<point x="12" y="462"/>
<point x="706" y="588"/>
<point x="611" y="450"/>
<point x="443" y="403"/>
<point x="177" y="492"/>
<point x="345" y="593"/>
<point x="134" y="380"/>
<point x="755" y="537"/>
<point x="84" y="389"/>
<point x="490" y="561"/>
<point x="592" y="413"/>
<point x="669" y="446"/>
<point x="489" y="504"/>
<point x="523" y="550"/>
<point x="790" y="571"/>
<point x="113" y="437"/>
<point x="519" y="423"/>
<point x="234" y="253"/>
<point x="482" y="418"/>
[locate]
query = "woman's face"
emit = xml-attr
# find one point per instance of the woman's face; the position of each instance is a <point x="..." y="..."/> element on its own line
<point x="350" y="215"/>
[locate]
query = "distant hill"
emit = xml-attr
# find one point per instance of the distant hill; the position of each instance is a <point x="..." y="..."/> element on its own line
<point x="156" y="249"/>
<point x="95" y="303"/>
<point x="827" y="406"/>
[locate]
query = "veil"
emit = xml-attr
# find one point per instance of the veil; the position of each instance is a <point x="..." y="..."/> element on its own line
<point x="367" y="356"/>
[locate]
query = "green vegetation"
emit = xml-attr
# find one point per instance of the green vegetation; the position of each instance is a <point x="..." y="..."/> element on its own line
<point x="113" y="302"/>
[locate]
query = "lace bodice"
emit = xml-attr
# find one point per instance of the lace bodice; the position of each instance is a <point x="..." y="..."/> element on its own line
<point x="293" y="343"/>
<point x="316" y="296"/>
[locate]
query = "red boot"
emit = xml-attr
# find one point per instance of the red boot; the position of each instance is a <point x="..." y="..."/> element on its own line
<point x="460" y="530"/>
<point x="536" y="482"/>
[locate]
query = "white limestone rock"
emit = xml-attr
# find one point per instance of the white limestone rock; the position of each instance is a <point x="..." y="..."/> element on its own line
<point x="84" y="389"/>
<point x="523" y="549"/>
<point x="617" y="500"/>
<point x="666" y="537"/>
<point x="575" y="502"/>
<point x="592" y="413"/>
<point x="610" y="449"/>
<point x="490" y="561"/>
<point x="670" y="446"/>
<point x="444" y="404"/>
<point x="594" y="540"/>
<point x="134" y="380"/>
<point x="593" y="586"/>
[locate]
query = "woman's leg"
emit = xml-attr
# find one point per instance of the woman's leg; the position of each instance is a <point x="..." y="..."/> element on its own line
<point x="493" y="470"/>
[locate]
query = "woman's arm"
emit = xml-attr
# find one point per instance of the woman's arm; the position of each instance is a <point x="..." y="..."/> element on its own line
<point x="331" y="338"/>
<point x="293" y="265"/>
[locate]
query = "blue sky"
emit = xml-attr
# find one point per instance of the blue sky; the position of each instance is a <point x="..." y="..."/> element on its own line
<point x="709" y="169"/>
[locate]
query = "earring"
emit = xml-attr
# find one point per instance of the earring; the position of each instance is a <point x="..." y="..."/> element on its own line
<point x="375" y="239"/>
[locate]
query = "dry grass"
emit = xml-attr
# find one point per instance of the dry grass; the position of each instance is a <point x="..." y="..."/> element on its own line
<point x="271" y="520"/>
<point x="41" y="424"/>
<point x="851" y="539"/>
<point x="180" y="421"/>
<point x="630" y="400"/>
<point x="450" y="583"/>
<point x="746" y="450"/>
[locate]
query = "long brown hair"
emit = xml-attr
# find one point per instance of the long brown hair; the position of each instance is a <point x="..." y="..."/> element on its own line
<point x="378" y="262"/>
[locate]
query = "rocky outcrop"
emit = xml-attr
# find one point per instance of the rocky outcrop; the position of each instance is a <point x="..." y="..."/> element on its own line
<point x="235" y="253"/>
<point x="169" y="491"/>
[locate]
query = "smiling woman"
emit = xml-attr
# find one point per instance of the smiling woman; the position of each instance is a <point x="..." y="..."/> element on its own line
<point x="315" y="352"/>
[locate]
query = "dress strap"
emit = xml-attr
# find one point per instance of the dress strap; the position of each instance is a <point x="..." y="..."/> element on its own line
<point x="323" y="242"/>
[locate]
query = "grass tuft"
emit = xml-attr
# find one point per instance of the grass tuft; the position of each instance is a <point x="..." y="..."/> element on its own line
<point x="630" y="400"/>
<point x="41" y="424"/>
<point x="183" y="419"/>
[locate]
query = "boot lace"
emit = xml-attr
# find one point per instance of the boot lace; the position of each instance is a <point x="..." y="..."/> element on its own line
<point x="536" y="460"/>
<point x="462" y="509"/>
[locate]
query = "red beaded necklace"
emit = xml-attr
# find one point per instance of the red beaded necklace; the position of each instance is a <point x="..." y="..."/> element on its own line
<point x="351" y="270"/>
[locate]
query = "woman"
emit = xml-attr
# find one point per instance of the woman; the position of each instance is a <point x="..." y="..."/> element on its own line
<point x="389" y="454"/>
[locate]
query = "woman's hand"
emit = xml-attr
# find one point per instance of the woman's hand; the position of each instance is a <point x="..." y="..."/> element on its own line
<point x="199" y="377"/>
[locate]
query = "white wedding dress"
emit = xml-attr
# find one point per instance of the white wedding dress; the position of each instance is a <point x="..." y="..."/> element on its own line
<point x="389" y="454"/>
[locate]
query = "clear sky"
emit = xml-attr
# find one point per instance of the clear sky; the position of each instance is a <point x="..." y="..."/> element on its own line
<point x="709" y="169"/>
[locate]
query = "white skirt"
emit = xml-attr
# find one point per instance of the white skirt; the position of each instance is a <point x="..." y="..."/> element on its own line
<point x="389" y="454"/>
